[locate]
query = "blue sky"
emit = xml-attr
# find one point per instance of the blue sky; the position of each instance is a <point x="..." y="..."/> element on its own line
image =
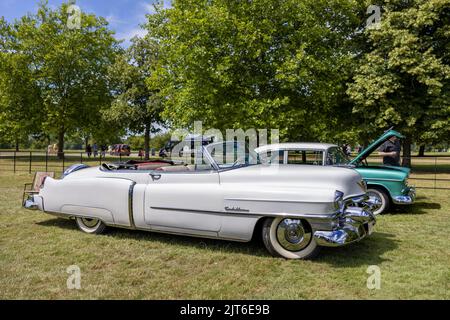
<point x="124" y="16"/>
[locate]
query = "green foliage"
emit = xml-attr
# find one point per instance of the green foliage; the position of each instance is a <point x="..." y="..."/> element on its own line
<point x="403" y="79"/>
<point x="64" y="67"/>
<point x="20" y="100"/>
<point x="135" y="107"/>
<point x="263" y="64"/>
<point x="157" y="142"/>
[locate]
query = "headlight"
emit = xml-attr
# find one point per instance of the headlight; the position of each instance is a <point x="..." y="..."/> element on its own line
<point x="338" y="199"/>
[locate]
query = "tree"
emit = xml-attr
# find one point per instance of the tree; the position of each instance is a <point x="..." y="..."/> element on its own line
<point x="67" y="63"/>
<point x="20" y="101"/>
<point x="135" y="107"/>
<point x="403" y="80"/>
<point x="262" y="64"/>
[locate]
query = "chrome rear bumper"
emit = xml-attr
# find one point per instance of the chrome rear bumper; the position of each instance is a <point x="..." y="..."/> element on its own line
<point x="30" y="203"/>
<point x="354" y="224"/>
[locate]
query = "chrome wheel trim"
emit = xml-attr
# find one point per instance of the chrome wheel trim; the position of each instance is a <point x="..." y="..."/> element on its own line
<point x="292" y="236"/>
<point x="379" y="207"/>
<point x="90" y="223"/>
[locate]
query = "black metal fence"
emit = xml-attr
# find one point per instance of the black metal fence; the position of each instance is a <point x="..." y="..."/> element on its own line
<point x="428" y="172"/>
<point x="32" y="161"/>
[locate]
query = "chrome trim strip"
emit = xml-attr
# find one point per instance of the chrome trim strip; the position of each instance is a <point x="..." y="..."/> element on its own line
<point x="328" y="216"/>
<point x="273" y="200"/>
<point x="378" y="179"/>
<point x="130" y="205"/>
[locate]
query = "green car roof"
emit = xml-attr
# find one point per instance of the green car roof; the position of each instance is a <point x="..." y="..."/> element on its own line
<point x="375" y="145"/>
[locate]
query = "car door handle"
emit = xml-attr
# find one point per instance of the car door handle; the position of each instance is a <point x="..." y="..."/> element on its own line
<point x="155" y="176"/>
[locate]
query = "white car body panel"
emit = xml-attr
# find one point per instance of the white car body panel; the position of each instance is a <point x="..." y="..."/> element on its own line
<point x="225" y="204"/>
<point x="223" y="200"/>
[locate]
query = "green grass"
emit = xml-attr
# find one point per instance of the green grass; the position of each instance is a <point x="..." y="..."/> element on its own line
<point x="411" y="246"/>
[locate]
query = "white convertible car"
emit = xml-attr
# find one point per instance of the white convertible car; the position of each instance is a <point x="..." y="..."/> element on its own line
<point x="296" y="208"/>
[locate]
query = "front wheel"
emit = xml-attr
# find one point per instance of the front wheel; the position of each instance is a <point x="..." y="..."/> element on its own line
<point x="92" y="226"/>
<point x="289" y="238"/>
<point x="382" y="198"/>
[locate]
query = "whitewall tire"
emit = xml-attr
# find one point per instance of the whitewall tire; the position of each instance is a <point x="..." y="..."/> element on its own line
<point x="289" y="238"/>
<point x="89" y="225"/>
<point x="382" y="197"/>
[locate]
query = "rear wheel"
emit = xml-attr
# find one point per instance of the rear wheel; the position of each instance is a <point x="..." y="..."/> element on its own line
<point x="289" y="238"/>
<point x="382" y="197"/>
<point x="89" y="225"/>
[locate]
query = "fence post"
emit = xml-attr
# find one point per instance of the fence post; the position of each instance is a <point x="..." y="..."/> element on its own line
<point x="14" y="161"/>
<point x="31" y="155"/>
<point x="46" y="160"/>
<point x="81" y="157"/>
<point x="120" y="157"/>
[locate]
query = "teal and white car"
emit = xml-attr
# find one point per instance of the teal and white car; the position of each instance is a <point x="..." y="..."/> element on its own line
<point x="387" y="184"/>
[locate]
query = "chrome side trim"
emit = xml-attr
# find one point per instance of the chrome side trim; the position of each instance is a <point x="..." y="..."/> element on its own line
<point x="381" y="179"/>
<point x="130" y="205"/>
<point x="272" y="200"/>
<point x="329" y="216"/>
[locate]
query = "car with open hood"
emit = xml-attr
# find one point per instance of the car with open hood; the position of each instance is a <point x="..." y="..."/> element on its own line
<point x="386" y="184"/>
<point x="226" y="194"/>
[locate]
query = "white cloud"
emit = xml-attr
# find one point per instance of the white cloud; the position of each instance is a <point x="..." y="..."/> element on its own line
<point x="114" y="20"/>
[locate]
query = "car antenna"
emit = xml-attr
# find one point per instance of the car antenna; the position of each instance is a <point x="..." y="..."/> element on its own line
<point x="391" y="128"/>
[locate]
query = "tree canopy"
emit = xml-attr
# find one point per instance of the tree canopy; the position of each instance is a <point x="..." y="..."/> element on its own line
<point x="135" y="107"/>
<point x="262" y="64"/>
<point x="64" y="66"/>
<point x="403" y="79"/>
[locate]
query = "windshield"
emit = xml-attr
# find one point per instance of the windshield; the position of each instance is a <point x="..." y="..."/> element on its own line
<point x="335" y="156"/>
<point x="232" y="155"/>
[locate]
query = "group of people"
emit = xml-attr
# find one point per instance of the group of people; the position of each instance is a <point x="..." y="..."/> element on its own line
<point x="93" y="150"/>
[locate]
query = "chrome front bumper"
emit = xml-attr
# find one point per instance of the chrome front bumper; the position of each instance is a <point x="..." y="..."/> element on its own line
<point x="353" y="225"/>
<point x="408" y="197"/>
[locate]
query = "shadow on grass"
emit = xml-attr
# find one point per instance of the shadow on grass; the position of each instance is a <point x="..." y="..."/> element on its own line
<point x="416" y="208"/>
<point x="254" y="247"/>
<point x="368" y="251"/>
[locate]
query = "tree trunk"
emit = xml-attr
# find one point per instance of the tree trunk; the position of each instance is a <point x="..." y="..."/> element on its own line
<point x="147" y="141"/>
<point x="17" y="145"/>
<point x="422" y="151"/>
<point x="86" y="141"/>
<point x="407" y="152"/>
<point x="61" y="144"/>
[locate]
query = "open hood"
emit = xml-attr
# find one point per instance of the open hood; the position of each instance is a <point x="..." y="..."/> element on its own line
<point x="375" y="145"/>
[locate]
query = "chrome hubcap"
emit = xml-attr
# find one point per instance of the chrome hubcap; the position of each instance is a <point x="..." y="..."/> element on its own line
<point x="379" y="203"/>
<point x="90" y="223"/>
<point x="292" y="235"/>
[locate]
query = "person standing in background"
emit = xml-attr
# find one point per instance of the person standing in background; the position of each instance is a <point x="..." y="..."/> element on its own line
<point x="103" y="150"/>
<point x="95" y="149"/>
<point x="390" y="150"/>
<point x="88" y="150"/>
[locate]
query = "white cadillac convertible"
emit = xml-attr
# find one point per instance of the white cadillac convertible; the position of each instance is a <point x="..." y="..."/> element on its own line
<point x="227" y="194"/>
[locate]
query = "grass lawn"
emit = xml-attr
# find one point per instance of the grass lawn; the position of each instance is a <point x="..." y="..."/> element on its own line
<point x="411" y="246"/>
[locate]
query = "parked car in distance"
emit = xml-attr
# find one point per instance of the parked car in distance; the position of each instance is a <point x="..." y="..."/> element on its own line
<point x="387" y="184"/>
<point x="186" y="146"/>
<point x="120" y="150"/>
<point x="295" y="209"/>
